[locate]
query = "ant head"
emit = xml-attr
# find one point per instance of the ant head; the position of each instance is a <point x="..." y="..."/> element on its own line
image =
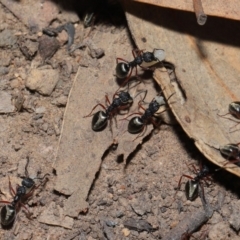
<point x="205" y="169"/>
<point x="125" y="97"/>
<point x="28" y="182"/>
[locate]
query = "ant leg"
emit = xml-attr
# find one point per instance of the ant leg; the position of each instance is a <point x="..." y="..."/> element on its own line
<point x="141" y="133"/>
<point x="90" y="114"/>
<point x="208" y="178"/>
<point x="154" y="123"/>
<point x="180" y="180"/>
<point x="126" y="80"/>
<point x="179" y="184"/>
<point x="147" y="68"/>
<point x="30" y="193"/>
<point x="137" y="52"/>
<point x="121" y="59"/>
<point x="234" y="127"/>
<point x="145" y="93"/>
<point x="28" y="213"/>
<point x="158" y="113"/>
<point x="115" y="120"/>
<point x="223" y="114"/>
<point x="194" y="168"/>
<point x="130" y="116"/>
<point x="11" y="188"/>
<point x="107" y="100"/>
<point x="140" y="106"/>
<point x="136" y="74"/>
<point x="228" y="162"/>
<point x="5" y="202"/>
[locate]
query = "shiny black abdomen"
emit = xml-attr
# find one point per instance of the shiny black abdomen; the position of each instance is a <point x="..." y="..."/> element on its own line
<point x="135" y="125"/>
<point x="99" y="121"/>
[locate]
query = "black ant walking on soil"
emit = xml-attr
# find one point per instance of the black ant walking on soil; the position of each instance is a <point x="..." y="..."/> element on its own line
<point x="142" y="59"/>
<point x="23" y="192"/>
<point x="192" y="185"/>
<point x="138" y="124"/>
<point x="100" y="118"/>
<point x="234" y="110"/>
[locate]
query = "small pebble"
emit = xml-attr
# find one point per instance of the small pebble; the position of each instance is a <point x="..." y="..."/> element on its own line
<point x="3" y="71"/>
<point x="126" y="232"/>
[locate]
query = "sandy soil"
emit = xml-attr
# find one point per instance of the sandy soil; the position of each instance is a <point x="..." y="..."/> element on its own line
<point x="136" y="199"/>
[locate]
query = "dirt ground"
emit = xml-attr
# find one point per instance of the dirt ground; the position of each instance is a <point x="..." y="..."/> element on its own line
<point x="133" y="199"/>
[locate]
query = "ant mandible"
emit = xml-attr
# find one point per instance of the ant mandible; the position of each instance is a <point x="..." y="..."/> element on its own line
<point x="100" y="118"/>
<point x="23" y="192"/>
<point x="141" y="59"/>
<point x="234" y="110"/>
<point x="192" y="185"/>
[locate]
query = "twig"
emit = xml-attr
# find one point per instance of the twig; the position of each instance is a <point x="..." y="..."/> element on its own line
<point x="193" y="221"/>
<point x="198" y="8"/>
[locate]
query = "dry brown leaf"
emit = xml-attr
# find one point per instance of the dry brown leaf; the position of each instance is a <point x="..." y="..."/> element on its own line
<point x="221" y="8"/>
<point x="207" y="65"/>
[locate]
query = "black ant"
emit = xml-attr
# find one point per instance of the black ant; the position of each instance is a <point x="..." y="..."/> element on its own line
<point x="234" y="110"/>
<point x="231" y="152"/>
<point x="141" y="59"/>
<point x="100" y="118"/>
<point x="137" y="124"/>
<point x="23" y="192"/>
<point x="192" y="185"/>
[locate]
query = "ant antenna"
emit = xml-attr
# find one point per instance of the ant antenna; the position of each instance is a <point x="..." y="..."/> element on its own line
<point x="145" y="91"/>
<point x="26" y="171"/>
<point x="170" y="96"/>
<point x="41" y="178"/>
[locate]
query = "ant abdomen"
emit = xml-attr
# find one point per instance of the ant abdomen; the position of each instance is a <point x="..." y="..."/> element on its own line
<point x="234" y="109"/>
<point x="99" y="121"/>
<point x="135" y="125"/>
<point x="191" y="190"/>
<point x="230" y="151"/>
<point x="8" y="214"/>
<point x="122" y="70"/>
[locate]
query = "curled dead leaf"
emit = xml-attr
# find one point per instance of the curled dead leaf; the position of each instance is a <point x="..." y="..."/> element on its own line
<point x="206" y="62"/>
